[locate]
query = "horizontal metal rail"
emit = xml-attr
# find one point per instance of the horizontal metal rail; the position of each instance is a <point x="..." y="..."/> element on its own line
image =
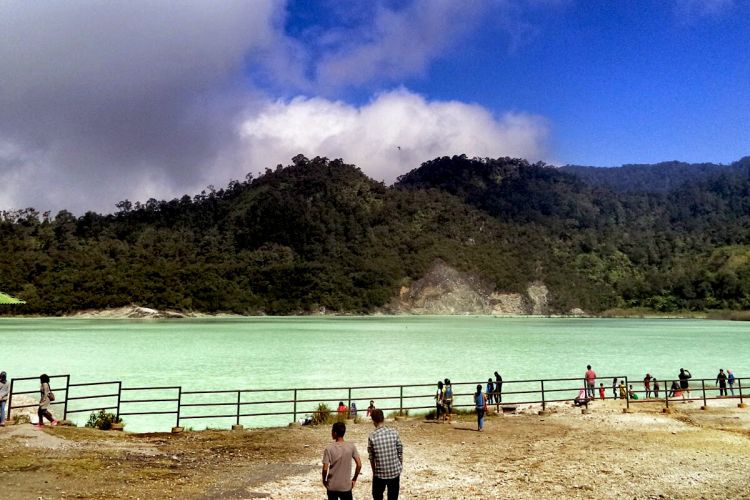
<point x="528" y="392"/>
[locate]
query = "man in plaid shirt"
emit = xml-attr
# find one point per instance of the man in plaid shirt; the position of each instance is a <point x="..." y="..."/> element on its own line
<point x="386" y="458"/>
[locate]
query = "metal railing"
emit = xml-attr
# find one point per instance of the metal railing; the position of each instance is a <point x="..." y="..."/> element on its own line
<point x="254" y="404"/>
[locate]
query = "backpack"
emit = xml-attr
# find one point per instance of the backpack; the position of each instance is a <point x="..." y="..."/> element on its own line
<point x="449" y="394"/>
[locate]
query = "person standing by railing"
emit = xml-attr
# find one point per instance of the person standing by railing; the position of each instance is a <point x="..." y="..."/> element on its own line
<point x="4" y="390"/>
<point x="480" y="403"/>
<point x="721" y="380"/>
<point x="498" y="389"/>
<point x="614" y="388"/>
<point x="656" y="388"/>
<point x="730" y="379"/>
<point x="590" y="376"/>
<point x="647" y="386"/>
<point x="684" y="386"/>
<point x="45" y="400"/>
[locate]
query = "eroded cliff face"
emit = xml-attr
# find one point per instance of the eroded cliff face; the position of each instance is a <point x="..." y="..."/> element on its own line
<point x="444" y="290"/>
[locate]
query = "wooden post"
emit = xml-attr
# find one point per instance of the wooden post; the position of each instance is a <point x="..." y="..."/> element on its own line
<point x="10" y="397"/>
<point x="295" y="406"/>
<point x="179" y="403"/>
<point x="238" y="407"/>
<point x="401" y="400"/>
<point x="703" y="388"/>
<point x="65" y="404"/>
<point x="119" y="397"/>
<point x="544" y="404"/>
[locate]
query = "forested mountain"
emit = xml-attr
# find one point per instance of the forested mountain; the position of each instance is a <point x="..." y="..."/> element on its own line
<point x="320" y="234"/>
<point x="658" y="178"/>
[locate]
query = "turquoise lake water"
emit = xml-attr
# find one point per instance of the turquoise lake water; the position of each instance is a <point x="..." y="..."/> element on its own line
<point x="255" y="353"/>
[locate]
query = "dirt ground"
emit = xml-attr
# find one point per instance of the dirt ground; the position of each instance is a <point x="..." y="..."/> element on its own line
<point x="604" y="454"/>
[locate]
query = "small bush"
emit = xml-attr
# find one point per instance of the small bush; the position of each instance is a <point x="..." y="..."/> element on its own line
<point x="321" y="414"/>
<point x="102" y="420"/>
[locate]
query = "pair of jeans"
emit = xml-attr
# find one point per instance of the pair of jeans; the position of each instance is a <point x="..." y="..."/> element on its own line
<point x="480" y="418"/>
<point x="340" y="495"/>
<point x="2" y="411"/>
<point x="379" y="485"/>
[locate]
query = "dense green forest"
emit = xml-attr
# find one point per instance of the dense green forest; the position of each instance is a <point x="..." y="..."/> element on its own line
<point x="320" y="234"/>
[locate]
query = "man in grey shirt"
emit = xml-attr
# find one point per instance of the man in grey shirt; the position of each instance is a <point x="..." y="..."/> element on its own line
<point x="386" y="458"/>
<point x="337" y="465"/>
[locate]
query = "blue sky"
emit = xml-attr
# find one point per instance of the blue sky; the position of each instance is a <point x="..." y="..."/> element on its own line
<point x="619" y="82"/>
<point x="133" y="99"/>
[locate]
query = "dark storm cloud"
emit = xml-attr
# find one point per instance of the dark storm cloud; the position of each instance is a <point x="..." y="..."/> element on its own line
<point x="107" y="100"/>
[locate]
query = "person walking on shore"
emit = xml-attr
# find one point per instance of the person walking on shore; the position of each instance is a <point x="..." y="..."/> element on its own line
<point x="386" y="458"/>
<point x="730" y="379"/>
<point x="46" y="396"/>
<point x="4" y="391"/>
<point x="337" y="465"/>
<point x="590" y="376"/>
<point x="480" y="403"/>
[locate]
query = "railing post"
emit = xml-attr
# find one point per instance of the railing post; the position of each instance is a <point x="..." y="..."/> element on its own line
<point x="10" y="397"/>
<point x="703" y="388"/>
<point x="544" y="404"/>
<point x="67" y="389"/>
<point x="295" y="406"/>
<point x="739" y="386"/>
<point x="238" y="407"/>
<point x="119" y="397"/>
<point x="349" y="404"/>
<point x="179" y="404"/>
<point x="627" y="395"/>
<point x="666" y="394"/>
<point x="401" y="399"/>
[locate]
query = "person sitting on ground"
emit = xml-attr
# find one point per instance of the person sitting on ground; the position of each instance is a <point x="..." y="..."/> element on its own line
<point x="370" y="408"/>
<point x="632" y="393"/>
<point x="353" y="410"/>
<point x="675" y="391"/>
<point x="342" y="409"/>
<point x="582" y="398"/>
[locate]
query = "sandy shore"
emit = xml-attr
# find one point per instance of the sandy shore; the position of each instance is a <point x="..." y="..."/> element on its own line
<point x="604" y="454"/>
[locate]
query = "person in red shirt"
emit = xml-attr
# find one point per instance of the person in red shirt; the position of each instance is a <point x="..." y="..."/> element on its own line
<point x="601" y="392"/>
<point x="590" y="377"/>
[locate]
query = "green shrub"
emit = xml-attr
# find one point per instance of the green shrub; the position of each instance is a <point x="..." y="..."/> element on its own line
<point x="102" y="420"/>
<point x="321" y="415"/>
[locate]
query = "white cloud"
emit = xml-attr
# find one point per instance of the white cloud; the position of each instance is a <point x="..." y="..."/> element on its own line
<point x="689" y="11"/>
<point x="396" y="43"/>
<point x="391" y="135"/>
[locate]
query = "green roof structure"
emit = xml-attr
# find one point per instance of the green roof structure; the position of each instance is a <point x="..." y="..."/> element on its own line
<point x="7" y="299"/>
